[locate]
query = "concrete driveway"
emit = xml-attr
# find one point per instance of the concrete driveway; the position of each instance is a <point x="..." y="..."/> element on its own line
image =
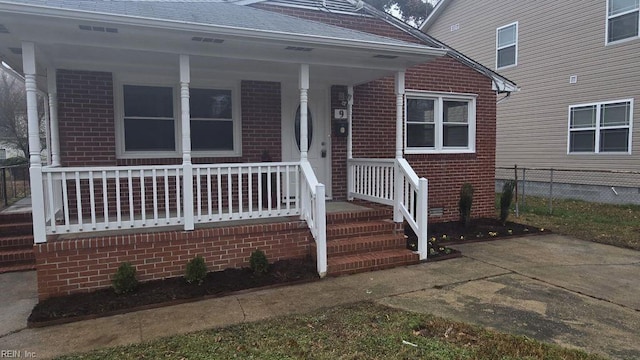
<point x="555" y="289"/>
<point x="552" y="288"/>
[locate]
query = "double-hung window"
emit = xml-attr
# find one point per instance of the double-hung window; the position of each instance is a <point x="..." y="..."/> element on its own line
<point x="601" y="127"/>
<point x="623" y="19"/>
<point x="439" y="123"/>
<point x="507" y="45"/>
<point x="150" y="122"/>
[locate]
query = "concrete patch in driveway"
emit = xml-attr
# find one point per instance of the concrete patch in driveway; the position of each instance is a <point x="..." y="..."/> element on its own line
<point x="519" y="305"/>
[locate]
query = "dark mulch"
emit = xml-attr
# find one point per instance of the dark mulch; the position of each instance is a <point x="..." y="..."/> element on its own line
<point x="106" y="301"/>
<point x="454" y="232"/>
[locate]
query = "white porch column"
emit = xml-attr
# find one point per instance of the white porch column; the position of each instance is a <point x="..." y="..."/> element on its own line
<point x="350" y="175"/>
<point x="52" y="88"/>
<point x="35" y="161"/>
<point x="187" y="166"/>
<point x="399" y="90"/>
<point x="304" y="88"/>
<point x="47" y="128"/>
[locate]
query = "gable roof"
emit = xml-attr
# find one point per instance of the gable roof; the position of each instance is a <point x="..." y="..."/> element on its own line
<point x="216" y="14"/>
<point x="437" y="10"/>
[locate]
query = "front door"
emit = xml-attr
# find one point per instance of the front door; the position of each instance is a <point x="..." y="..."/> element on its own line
<point x="318" y="125"/>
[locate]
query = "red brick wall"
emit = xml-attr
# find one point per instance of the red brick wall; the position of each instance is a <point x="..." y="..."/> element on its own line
<point x="338" y="148"/>
<point x="374" y="121"/>
<point x="85" y="116"/>
<point x="81" y="265"/>
<point x="374" y="134"/>
<point x="87" y="122"/>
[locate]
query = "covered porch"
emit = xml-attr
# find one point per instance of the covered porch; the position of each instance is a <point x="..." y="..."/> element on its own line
<point x="194" y="181"/>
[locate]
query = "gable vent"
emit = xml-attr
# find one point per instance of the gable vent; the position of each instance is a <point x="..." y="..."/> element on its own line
<point x="3" y="29"/>
<point x="298" y="48"/>
<point x="16" y="50"/>
<point x="379" y="56"/>
<point x="98" y="29"/>
<point x="207" y="40"/>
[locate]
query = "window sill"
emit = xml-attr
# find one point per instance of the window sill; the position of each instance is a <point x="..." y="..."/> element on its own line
<point x="622" y="41"/>
<point x="440" y="151"/>
<point x="602" y="153"/>
<point x="175" y="154"/>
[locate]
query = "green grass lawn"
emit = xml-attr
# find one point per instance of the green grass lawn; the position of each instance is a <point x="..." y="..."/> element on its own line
<point x="617" y="225"/>
<point x="358" y="331"/>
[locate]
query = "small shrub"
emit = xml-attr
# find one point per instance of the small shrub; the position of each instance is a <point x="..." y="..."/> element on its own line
<point x="124" y="281"/>
<point x="259" y="263"/>
<point x="505" y="200"/>
<point x="466" y="200"/>
<point x="196" y="271"/>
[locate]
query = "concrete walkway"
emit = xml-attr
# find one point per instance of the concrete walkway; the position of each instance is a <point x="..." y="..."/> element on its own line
<point x="552" y="288"/>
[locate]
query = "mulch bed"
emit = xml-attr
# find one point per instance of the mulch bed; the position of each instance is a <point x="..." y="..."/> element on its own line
<point x="156" y="293"/>
<point x="444" y="234"/>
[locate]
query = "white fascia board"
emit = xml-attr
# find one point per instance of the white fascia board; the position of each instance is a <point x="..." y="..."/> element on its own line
<point x="503" y="86"/>
<point x="405" y="49"/>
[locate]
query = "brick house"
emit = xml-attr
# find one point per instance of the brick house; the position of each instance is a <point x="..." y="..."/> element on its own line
<point x="215" y="128"/>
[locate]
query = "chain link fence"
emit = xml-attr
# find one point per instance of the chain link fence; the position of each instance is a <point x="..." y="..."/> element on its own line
<point x="601" y="186"/>
<point x="14" y="184"/>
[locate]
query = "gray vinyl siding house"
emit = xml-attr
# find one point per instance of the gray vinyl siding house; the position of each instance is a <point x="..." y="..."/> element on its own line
<point x="574" y="62"/>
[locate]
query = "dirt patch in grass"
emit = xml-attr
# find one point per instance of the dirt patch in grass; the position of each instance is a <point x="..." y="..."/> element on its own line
<point x="357" y="331"/>
<point x="162" y="292"/>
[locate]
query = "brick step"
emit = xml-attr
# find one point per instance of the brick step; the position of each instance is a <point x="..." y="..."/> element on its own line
<point x="358" y="229"/>
<point x="364" y="262"/>
<point x="16" y="229"/>
<point x="17" y="268"/>
<point x="16" y="242"/>
<point x="364" y="244"/>
<point x="359" y="216"/>
<point x="15" y="218"/>
<point x="17" y="257"/>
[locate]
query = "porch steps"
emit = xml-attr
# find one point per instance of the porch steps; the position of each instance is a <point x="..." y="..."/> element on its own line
<point x="16" y="243"/>
<point x="361" y="241"/>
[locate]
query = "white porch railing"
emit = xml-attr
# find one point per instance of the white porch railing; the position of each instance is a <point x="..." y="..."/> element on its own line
<point x="106" y="198"/>
<point x="245" y="191"/>
<point x="393" y="182"/>
<point x="371" y="179"/>
<point x="314" y="213"/>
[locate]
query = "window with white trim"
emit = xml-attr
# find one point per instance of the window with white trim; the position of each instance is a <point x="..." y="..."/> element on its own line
<point x="601" y="127"/>
<point x="439" y="123"/>
<point x="623" y="19"/>
<point x="150" y="122"/>
<point x="507" y="45"/>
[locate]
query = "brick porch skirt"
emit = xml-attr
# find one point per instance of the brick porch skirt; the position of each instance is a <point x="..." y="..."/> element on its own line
<point x="85" y="264"/>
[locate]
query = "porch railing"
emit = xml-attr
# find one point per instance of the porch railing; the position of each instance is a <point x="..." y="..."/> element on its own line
<point x="393" y="182"/>
<point x="314" y="213"/>
<point x="371" y="179"/>
<point x="103" y="198"/>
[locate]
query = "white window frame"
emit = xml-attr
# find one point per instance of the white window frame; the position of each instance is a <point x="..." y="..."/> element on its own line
<point x="121" y="153"/>
<point x="515" y="63"/>
<point x="439" y="98"/>
<point x="606" y="26"/>
<point x="598" y="127"/>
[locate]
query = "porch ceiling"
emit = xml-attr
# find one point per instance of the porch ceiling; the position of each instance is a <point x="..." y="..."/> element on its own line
<point x="155" y="46"/>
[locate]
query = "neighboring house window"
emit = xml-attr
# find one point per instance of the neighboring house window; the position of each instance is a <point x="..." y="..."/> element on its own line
<point x="507" y="45"/>
<point x="439" y="123"/>
<point x="151" y="122"/>
<point x="623" y="19"/>
<point x="601" y="127"/>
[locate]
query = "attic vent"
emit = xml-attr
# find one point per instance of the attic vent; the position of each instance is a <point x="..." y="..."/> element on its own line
<point x="207" y="40"/>
<point x="385" y="56"/>
<point x="15" y="50"/>
<point x="3" y="29"/>
<point x="298" y="48"/>
<point x="98" y="29"/>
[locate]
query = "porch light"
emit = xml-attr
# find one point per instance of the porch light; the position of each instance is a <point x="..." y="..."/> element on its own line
<point x="3" y="29"/>
<point x="98" y="29"/>
<point x="207" y="40"/>
<point x="298" y="48"/>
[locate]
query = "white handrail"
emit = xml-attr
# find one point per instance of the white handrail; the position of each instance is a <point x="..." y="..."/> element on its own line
<point x="412" y="202"/>
<point x="371" y="179"/>
<point x="313" y="211"/>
